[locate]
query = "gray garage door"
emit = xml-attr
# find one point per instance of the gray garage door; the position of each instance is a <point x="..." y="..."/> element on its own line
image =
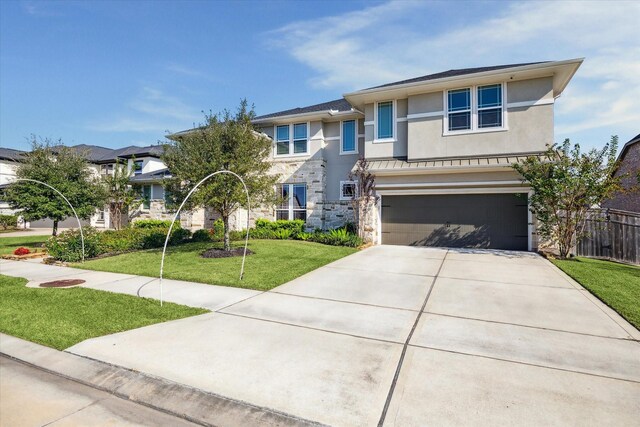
<point x="496" y="221"/>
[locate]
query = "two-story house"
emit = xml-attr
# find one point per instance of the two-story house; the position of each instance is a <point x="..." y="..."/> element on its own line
<point x="441" y="147"/>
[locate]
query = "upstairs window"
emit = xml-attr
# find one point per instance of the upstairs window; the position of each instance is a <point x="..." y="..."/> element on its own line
<point x="490" y="106"/>
<point x="474" y="109"/>
<point x="282" y="140"/>
<point x="459" y="108"/>
<point x="349" y="137"/>
<point x="292" y="139"/>
<point x="137" y="167"/>
<point x="384" y="120"/>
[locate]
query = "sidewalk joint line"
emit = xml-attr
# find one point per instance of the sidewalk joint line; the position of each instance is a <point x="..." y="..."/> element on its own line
<point x="406" y="345"/>
<point x="311" y="328"/>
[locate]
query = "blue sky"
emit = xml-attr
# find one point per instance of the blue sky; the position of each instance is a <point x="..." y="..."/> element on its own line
<point x="123" y="73"/>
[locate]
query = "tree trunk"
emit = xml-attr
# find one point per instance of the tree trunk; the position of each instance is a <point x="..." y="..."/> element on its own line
<point x="55" y="227"/>
<point x="227" y="243"/>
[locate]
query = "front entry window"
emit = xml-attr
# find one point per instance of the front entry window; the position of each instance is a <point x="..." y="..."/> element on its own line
<point x="293" y="204"/>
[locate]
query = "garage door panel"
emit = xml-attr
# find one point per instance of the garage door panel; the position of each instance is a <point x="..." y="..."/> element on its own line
<point x="496" y="221"/>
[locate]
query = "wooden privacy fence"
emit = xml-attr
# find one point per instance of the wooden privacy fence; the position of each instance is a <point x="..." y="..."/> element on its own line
<point x="611" y="234"/>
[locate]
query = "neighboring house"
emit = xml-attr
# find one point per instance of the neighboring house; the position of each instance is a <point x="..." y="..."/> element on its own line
<point x="9" y="159"/>
<point x="144" y="161"/>
<point x="441" y="147"/>
<point x="629" y="169"/>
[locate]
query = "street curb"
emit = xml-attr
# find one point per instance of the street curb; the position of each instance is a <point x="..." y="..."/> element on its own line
<point x="176" y="399"/>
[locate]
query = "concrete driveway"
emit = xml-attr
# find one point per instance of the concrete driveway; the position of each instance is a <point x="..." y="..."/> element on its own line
<point x="407" y="336"/>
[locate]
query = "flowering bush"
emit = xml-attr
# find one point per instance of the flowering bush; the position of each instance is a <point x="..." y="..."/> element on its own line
<point x="22" y="251"/>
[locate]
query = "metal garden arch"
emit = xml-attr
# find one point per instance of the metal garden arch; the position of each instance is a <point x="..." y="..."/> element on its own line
<point x="66" y="200"/>
<point x="166" y="241"/>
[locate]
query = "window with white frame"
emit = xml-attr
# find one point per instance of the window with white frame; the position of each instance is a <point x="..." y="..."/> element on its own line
<point x="384" y="120"/>
<point x="106" y="169"/>
<point x="490" y="106"/>
<point x="292" y="139"/>
<point x="475" y="108"/>
<point x="293" y="204"/>
<point x="349" y="137"/>
<point x="137" y="167"/>
<point x="348" y="190"/>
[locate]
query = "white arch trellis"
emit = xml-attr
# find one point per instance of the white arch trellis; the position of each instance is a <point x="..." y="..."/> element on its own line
<point x="66" y="200"/>
<point x="166" y="241"/>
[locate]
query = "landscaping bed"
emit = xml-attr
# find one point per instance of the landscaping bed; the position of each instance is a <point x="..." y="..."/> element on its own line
<point x="615" y="284"/>
<point x="60" y="318"/>
<point x="273" y="262"/>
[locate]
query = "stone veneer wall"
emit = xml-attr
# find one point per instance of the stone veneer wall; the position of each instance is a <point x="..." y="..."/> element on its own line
<point x="335" y="214"/>
<point x="311" y="172"/>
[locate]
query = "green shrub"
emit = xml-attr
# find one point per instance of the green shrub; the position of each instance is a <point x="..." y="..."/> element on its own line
<point x="304" y="236"/>
<point x="282" y="233"/>
<point x="237" y="235"/>
<point x="154" y="223"/>
<point x="201" y="236"/>
<point x="296" y="226"/>
<point x="178" y="235"/>
<point x="262" y="233"/>
<point x="7" y="221"/>
<point x="67" y="245"/>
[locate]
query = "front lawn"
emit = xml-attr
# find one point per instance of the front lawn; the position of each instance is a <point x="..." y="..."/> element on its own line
<point x="60" y="318"/>
<point x="617" y="285"/>
<point x="10" y="244"/>
<point x="273" y="263"/>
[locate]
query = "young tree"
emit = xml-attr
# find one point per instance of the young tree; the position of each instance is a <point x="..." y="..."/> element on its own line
<point x="120" y="195"/>
<point x="364" y="195"/>
<point x="64" y="169"/>
<point x="566" y="183"/>
<point x="224" y="142"/>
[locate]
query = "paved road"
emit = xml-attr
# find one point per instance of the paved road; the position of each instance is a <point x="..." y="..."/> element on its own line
<point x="403" y="335"/>
<point x="32" y="397"/>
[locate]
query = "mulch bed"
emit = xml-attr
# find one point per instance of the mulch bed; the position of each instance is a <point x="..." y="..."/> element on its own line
<point x="61" y="283"/>
<point x="220" y="253"/>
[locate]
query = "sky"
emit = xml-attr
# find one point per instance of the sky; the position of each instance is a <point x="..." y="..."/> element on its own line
<point x="118" y="73"/>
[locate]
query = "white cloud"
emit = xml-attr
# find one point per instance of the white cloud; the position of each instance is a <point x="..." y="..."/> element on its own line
<point x="150" y="111"/>
<point x="386" y="43"/>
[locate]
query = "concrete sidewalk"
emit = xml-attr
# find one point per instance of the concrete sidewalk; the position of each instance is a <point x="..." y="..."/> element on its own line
<point x="181" y="292"/>
<point x="398" y="335"/>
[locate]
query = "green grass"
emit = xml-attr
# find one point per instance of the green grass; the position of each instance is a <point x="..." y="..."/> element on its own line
<point x="617" y="285"/>
<point x="10" y="244"/>
<point x="60" y="318"/>
<point x="274" y="262"/>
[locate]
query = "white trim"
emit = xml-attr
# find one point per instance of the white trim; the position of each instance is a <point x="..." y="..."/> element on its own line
<point x="394" y="112"/>
<point x="425" y="115"/>
<point x="450" y="184"/>
<point x="361" y="135"/>
<point x="543" y="101"/>
<point x="529" y="223"/>
<point x="401" y="119"/>
<point x="478" y="190"/>
<point x="332" y="138"/>
<point x="474" y="112"/>
<point x="355" y="151"/>
<point x="379" y="225"/>
<point x="342" y="183"/>
<point x="369" y="123"/>
<point x="291" y="140"/>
